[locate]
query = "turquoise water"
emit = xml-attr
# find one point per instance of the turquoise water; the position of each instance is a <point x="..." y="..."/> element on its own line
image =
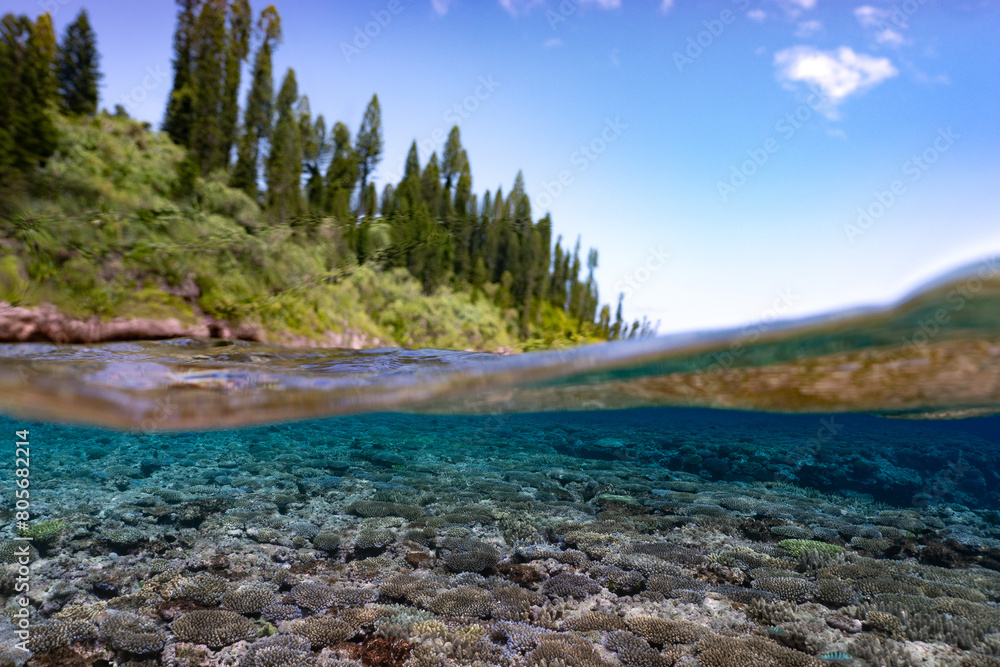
<point x="583" y="508"/>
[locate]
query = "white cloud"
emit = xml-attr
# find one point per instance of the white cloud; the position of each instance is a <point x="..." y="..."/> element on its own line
<point x="890" y="37"/>
<point x="808" y="28"/>
<point x="836" y="74"/>
<point x="521" y="7"/>
<point x="441" y="6"/>
<point x="552" y="43"/>
<point x="794" y="8"/>
<point x="876" y="17"/>
<point x="757" y="15"/>
<point x="927" y="79"/>
<point x="868" y="16"/>
<point x="666" y="5"/>
<point x="878" y="21"/>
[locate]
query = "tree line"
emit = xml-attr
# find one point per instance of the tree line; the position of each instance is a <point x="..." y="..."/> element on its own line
<point x="37" y="76"/>
<point x="300" y="171"/>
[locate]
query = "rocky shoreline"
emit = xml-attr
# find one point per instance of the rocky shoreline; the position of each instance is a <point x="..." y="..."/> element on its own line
<point x="46" y="324"/>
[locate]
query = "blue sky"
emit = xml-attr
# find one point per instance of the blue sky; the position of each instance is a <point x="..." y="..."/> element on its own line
<point x="731" y="160"/>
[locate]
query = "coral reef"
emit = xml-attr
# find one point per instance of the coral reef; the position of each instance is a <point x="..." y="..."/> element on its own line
<point x="367" y="542"/>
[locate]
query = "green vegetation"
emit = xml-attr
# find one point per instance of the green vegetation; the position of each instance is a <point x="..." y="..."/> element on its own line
<point x="796" y="547"/>
<point x="44" y="532"/>
<point x="270" y="221"/>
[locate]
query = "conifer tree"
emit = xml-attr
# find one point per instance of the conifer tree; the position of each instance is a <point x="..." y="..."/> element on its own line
<point x="575" y="308"/>
<point x="239" y="21"/>
<point x="260" y="101"/>
<point x="284" y="161"/>
<point x="11" y="28"/>
<point x="27" y="74"/>
<point x="39" y="90"/>
<point x="180" y="105"/>
<point x="408" y="192"/>
<point x="341" y="175"/>
<point x="617" y="328"/>
<point x="77" y="68"/>
<point x="463" y="190"/>
<point x="315" y="149"/>
<point x="371" y="201"/>
<point x="430" y="186"/>
<point x="514" y="201"/>
<point x="210" y="44"/>
<point x="388" y="200"/>
<point x="369" y="145"/>
<point x="453" y="159"/>
<point x="411" y="169"/>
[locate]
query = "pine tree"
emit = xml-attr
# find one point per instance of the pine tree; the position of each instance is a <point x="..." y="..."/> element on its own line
<point x="42" y="54"/>
<point x="617" y="329"/>
<point x="341" y="175"/>
<point x="589" y="307"/>
<point x="76" y="69"/>
<point x="180" y="105"/>
<point x="312" y="136"/>
<point x="388" y="202"/>
<point x="27" y="74"/>
<point x="499" y="206"/>
<point x="430" y="186"/>
<point x="315" y="149"/>
<point x="411" y="169"/>
<point x="557" y="283"/>
<point x="575" y="306"/>
<point x="370" y="201"/>
<point x="34" y="134"/>
<point x="463" y="190"/>
<point x="453" y="159"/>
<point x="237" y="48"/>
<point x="515" y="200"/>
<point x="369" y="144"/>
<point x="284" y="162"/>
<point x="260" y="102"/>
<point x="10" y="33"/>
<point x="210" y="44"/>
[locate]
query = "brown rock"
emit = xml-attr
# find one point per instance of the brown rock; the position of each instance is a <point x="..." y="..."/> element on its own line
<point x="521" y="574"/>
<point x="46" y="324"/>
<point x="417" y="558"/>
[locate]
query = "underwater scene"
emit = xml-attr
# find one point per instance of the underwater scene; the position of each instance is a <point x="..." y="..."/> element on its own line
<point x="583" y="508"/>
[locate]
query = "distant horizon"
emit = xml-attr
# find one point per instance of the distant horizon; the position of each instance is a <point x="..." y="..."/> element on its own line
<point x="718" y="155"/>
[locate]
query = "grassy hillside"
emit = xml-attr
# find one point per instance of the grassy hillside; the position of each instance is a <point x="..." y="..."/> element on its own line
<point x="104" y="235"/>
